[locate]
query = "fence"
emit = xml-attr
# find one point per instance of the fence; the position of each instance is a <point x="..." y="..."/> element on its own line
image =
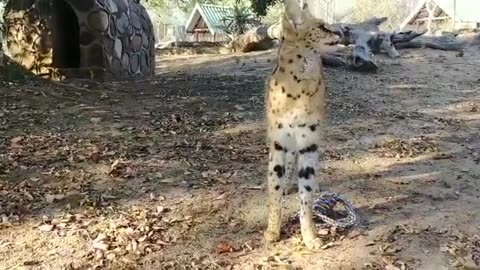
<point x="331" y="11"/>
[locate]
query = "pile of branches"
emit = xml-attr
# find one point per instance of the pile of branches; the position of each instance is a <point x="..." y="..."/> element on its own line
<point x="358" y="43"/>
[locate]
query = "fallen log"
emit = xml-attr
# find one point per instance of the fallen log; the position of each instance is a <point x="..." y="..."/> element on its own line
<point x="365" y="39"/>
<point x="263" y="38"/>
<point x="256" y="39"/>
<point x="444" y="43"/>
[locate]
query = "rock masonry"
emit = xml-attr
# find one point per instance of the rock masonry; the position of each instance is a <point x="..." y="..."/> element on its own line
<point x="116" y="37"/>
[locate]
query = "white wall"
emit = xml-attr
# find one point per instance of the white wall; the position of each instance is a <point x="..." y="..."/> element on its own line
<point x="330" y="10"/>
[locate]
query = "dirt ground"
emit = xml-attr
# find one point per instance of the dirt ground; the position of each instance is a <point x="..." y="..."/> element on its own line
<point x="169" y="172"/>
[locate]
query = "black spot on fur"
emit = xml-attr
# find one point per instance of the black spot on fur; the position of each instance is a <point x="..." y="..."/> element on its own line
<point x="313" y="127"/>
<point x="289" y="95"/>
<point x="277" y="146"/>
<point x="309" y="149"/>
<point x="282" y="69"/>
<point x="290" y="61"/>
<point x="295" y="78"/>
<point x="298" y="96"/>
<point x="306" y="173"/>
<point x="290" y="126"/>
<point x="283" y="89"/>
<point x="280" y="126"/>
<point x="277" y="187"/>
<point x="280" y="170"/>
<point x="299" y="56"/>
<point x="308" y="188"/>
<point x="276" y="83"/>
<point x="302" y="125"/>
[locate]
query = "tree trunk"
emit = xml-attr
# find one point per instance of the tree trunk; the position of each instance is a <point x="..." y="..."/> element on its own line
<point x="256" y="39"/>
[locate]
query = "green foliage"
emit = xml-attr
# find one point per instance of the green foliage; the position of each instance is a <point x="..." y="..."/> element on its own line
<point x="238" y="21"/>
<point x="260" y="7"/>
<point x="274" y="13"/>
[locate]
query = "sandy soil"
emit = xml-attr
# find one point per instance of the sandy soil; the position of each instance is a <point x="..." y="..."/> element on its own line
<point x="169" y="172"/>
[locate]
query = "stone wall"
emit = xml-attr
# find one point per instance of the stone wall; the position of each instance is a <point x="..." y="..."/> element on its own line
<point x="116" y="36"/>
<point x="27" y="38"/>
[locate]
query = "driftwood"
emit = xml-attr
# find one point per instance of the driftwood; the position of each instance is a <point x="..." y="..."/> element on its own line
<point x="444" y="43"/>
<point x="365" y="39"/>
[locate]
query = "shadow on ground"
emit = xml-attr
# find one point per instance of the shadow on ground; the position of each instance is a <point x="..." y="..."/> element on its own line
<point x="171" y="168"/>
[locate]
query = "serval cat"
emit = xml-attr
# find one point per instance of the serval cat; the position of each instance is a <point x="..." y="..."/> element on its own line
<point x="295" y="112"/>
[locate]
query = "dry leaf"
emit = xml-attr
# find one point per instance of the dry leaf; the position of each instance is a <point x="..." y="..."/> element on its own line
<point x="6" y="244"/>
<point x="249" y="245"/>
<point x="28" y="195"/>
<point x="221" y="197"/>
<point x="323" y="232"/>
<point x="354" y="234"/>
<point x="100" y="237"/>
<point x="224" y="247"/>
<point x="51" y="198"/>
<point x="46" y="227"/>
<point x="100" y="245"/>
<point x="329" y="245"/>
<point x="14" y="142"/>
<point x="95" y="120"/>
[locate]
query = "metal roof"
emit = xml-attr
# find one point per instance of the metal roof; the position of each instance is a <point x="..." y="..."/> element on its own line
<point x="211" y="14"/>
<point x="464" y="10"/>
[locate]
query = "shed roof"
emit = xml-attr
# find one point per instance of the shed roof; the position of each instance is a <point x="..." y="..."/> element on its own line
<point x="464" y="10"/>
<point x="211" y="14"/>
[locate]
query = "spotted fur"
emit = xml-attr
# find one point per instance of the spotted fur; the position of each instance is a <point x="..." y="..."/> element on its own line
<point x="295" y="111"/>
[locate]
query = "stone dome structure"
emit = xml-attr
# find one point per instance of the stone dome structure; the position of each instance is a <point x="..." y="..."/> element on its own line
<point x="105" y="39"/>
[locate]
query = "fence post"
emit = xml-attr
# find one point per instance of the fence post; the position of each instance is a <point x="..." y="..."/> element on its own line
<point x="454" y="16"/>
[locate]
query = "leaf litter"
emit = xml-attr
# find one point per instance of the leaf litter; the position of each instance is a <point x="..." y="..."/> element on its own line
<point x="149" y="175"/>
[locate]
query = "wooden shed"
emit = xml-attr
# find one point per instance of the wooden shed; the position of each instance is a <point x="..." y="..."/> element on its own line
<point x="445" y="15"/>
<point x="206" y="23"/>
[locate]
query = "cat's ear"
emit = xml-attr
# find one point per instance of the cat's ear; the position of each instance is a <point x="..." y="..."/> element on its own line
<point x="294" y="15"/>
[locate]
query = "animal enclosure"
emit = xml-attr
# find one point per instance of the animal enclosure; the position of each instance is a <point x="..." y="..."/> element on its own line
<point x="101" y="39"/>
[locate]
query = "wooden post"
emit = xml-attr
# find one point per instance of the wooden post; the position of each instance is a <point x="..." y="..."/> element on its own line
<point x="430" y="6"/>
<point x="454" y="16"/>
<point x="165" y="29"/>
